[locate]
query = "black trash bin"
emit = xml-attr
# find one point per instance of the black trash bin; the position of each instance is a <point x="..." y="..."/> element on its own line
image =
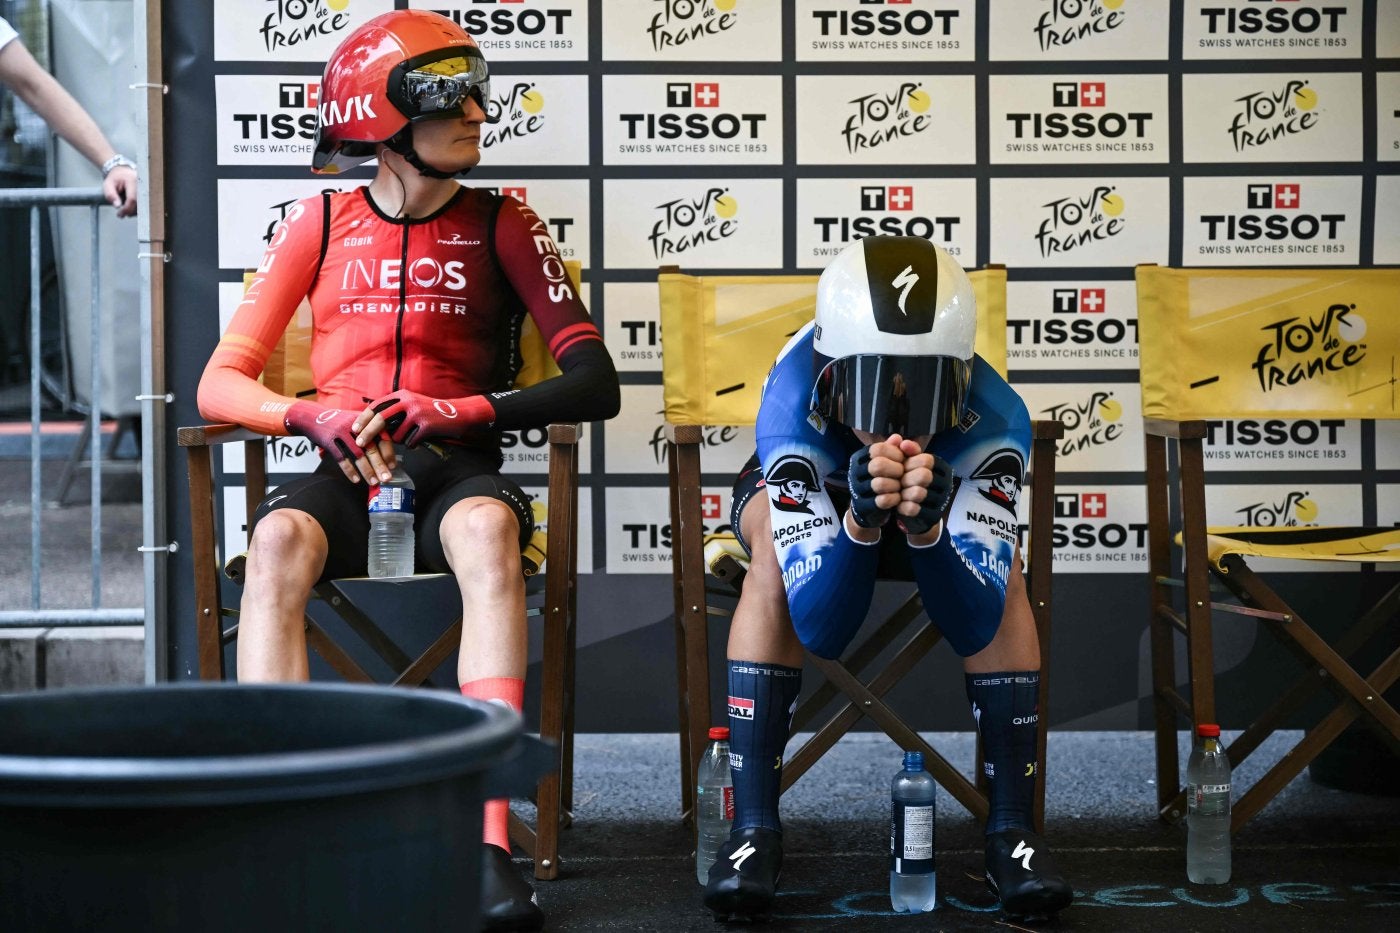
<point x="200" y="807"/>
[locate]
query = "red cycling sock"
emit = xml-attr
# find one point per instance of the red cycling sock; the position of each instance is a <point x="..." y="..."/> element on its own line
<point x="511" y="692"/>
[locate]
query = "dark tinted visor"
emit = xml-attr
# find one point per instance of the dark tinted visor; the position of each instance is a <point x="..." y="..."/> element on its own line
<point x="907" y="395"/>
<point x="437" y="89"/>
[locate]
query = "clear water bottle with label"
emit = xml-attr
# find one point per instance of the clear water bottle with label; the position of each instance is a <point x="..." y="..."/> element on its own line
<point x="391" y="527"/>
<point x="1208" y="809"/>
<point x="913" y="887"/>
<point x="714" y="802"/>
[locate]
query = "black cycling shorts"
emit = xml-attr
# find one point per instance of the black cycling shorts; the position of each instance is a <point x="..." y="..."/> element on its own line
<point x="442" y="477"/>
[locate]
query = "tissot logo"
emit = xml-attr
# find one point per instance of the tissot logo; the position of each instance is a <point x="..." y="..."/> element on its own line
<point x="1089" y="422"/>
<point x="1293" y="508"/>
<point x="1091" y="122"/>
<point x="264" y="127"/>
<point x="679" y="22"/>
<point x="895" y="201"/>
<point x="1081" y="504"/>
<point x="1274" y="114"/>
<point x="509" y="22"/>
<point x="292" y="22"/>
<point x="1272" y="19"/>
<point x="889" y="23"/>
<point x="1275" y="198"/>
<point x="692" y="94"/>
<point x="689" y="222"/>
<point x="1080" y="220"/>
<point x="1298" y="350"/>
<point x="1069" y="21"/>
<point x="520" y="111"/>
<point x="1078" y="301"/>
<point x="702" y="98"/>
<point x="887" y="116"/>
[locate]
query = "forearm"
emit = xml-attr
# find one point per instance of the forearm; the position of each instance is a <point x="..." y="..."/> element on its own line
<point x="226" y="394"/>
<point x="974" y="593"/>
<point x="50" y="100"/>
<point x="830" y="601"/>
<point x="587" y="390"/>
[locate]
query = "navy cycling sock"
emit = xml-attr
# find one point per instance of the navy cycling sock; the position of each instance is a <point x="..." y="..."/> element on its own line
<point x="1006" y="706"/>
<point x="761" y="700"/>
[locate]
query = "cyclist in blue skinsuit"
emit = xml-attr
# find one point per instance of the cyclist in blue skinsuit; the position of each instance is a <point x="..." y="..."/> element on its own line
<point x="885" y="448"/>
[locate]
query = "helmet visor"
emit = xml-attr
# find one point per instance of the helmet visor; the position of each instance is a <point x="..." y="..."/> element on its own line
<point x="438" y="89"/>
<point x="906" y="395"/>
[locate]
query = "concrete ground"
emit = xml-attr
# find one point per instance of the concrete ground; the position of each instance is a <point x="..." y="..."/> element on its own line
<point x="1313" y="860"/>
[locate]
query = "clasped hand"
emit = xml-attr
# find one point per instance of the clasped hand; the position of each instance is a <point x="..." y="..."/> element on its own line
<point x="896" y="477"/>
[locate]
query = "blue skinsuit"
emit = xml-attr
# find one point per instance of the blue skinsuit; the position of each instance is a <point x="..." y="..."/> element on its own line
<point x="829" y="577"/>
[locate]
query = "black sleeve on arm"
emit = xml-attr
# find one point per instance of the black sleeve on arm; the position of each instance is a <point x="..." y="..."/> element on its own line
<point x="585" y="390"/>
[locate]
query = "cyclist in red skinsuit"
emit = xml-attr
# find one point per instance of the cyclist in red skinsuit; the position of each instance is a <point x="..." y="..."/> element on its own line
<point x="418" y="289"/>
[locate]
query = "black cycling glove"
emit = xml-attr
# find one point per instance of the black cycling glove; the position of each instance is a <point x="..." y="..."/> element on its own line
<point x="858" y="478"/>
<point x="940" y="493"/>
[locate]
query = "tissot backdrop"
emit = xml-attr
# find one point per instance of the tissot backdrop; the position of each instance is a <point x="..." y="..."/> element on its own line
<point x="1067" y="139"/>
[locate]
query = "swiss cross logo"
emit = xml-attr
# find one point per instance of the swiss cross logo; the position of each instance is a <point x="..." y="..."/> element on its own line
<point x="887" y="197"/>
<point x="1079" y="93"/>
<point x="1079" y="301"/>
<point x="709" y="507"/>
<point x="1274" y="197"/>
<point x="1081" y="504"/>
<point x="517" y="193"/>
<point x="297" y="95"/>
<point x="688" y="94"/>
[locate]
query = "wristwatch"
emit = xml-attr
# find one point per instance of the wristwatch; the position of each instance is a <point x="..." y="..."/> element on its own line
<point x="114" y="161"/>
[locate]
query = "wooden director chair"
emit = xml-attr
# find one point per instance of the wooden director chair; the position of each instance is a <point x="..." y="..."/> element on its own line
<point x="720" y="335"/>
<point x="556" y="602"/>
<point x="1222" y="343"/>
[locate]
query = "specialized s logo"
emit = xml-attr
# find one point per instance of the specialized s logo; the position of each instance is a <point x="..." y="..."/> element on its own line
<point x="1300" y="349"/>
<point x="1295" y="508"/>
<point x="1069" y="21"/>
<point x="1266" y="116"/>
<point x="790" y="483"/>
<point x="689" y="222"/>
<point x="884" y="117"/>
<point x="682" y="21"/>
<point x="999" y="477"/>
<point x="1088" y="424"/>
<point x="1077" y="221"/>
<point x="293" y="23"/>
<point x="905" y="281"/>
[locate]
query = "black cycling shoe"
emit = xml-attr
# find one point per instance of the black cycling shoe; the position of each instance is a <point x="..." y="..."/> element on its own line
<point x="743" y="880"/>
<point x="1022" y="875"/>
<point x="507" y="900"/>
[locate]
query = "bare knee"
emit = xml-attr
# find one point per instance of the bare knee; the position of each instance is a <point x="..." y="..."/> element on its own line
<point x="482" y="534"/>
<point x="287" y="544"/>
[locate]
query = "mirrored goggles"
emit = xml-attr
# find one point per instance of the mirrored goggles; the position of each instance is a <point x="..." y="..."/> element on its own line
<point x="438" y="89"/>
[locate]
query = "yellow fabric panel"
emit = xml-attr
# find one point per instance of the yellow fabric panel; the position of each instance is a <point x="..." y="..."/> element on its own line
<point x="532" y="556"/>
<point x="720" y="335"/>
<point x="288" y="369"/>
<point x="1261" y="343"/>
<point x="1365" y="545"/>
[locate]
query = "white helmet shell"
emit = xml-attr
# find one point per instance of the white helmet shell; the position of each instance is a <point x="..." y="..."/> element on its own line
<point x="895" y="327"/>
<point x="895" y="296"/>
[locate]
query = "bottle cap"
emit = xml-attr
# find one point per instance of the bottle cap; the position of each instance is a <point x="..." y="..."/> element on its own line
<point x="913" y="761"/>
<point x="719" y="733"/>
<point x="1208" y="729"/>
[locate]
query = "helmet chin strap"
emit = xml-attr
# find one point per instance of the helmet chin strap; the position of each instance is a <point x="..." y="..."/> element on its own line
<point x="402" y="143"/>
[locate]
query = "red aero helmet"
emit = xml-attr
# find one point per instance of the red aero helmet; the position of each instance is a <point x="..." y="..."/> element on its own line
<point x="363" y="98"/>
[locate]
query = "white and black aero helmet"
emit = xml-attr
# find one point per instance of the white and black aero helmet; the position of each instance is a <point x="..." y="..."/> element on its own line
<point x="895" y="326"/>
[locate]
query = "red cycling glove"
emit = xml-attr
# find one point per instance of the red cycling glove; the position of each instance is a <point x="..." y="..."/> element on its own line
<point x="411" y="418"/>
<point x="331" y="429"/>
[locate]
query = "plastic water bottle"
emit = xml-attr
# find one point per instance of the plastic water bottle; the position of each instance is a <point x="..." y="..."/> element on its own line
<point x="1208" y="809"/>
<point x="714" y="802"/>
<point x="391" y="527"/>
<point x="913" y="887"/>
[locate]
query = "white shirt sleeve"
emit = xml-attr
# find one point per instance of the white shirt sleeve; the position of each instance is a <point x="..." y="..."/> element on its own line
<point x="7" y="32"/>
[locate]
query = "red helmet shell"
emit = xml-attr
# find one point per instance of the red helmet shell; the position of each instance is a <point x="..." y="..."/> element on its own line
<point x="355" y="111"/>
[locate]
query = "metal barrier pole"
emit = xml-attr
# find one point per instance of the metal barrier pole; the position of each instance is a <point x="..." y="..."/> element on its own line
<point x="35" y="438"/>
<point x="94" y="414"/>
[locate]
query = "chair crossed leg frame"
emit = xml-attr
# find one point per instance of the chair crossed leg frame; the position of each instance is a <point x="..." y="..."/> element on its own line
<point x="554" y="793"/>
<point x="843" y="678"/>
<point x="1325" y="664"/>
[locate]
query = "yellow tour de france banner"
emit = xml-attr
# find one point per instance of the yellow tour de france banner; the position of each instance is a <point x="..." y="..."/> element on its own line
<point x="1254" y="343"/>
<point x="721" y="334"/>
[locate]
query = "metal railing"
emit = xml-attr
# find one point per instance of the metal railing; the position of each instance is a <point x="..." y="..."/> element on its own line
<point x="36" y="200"/>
